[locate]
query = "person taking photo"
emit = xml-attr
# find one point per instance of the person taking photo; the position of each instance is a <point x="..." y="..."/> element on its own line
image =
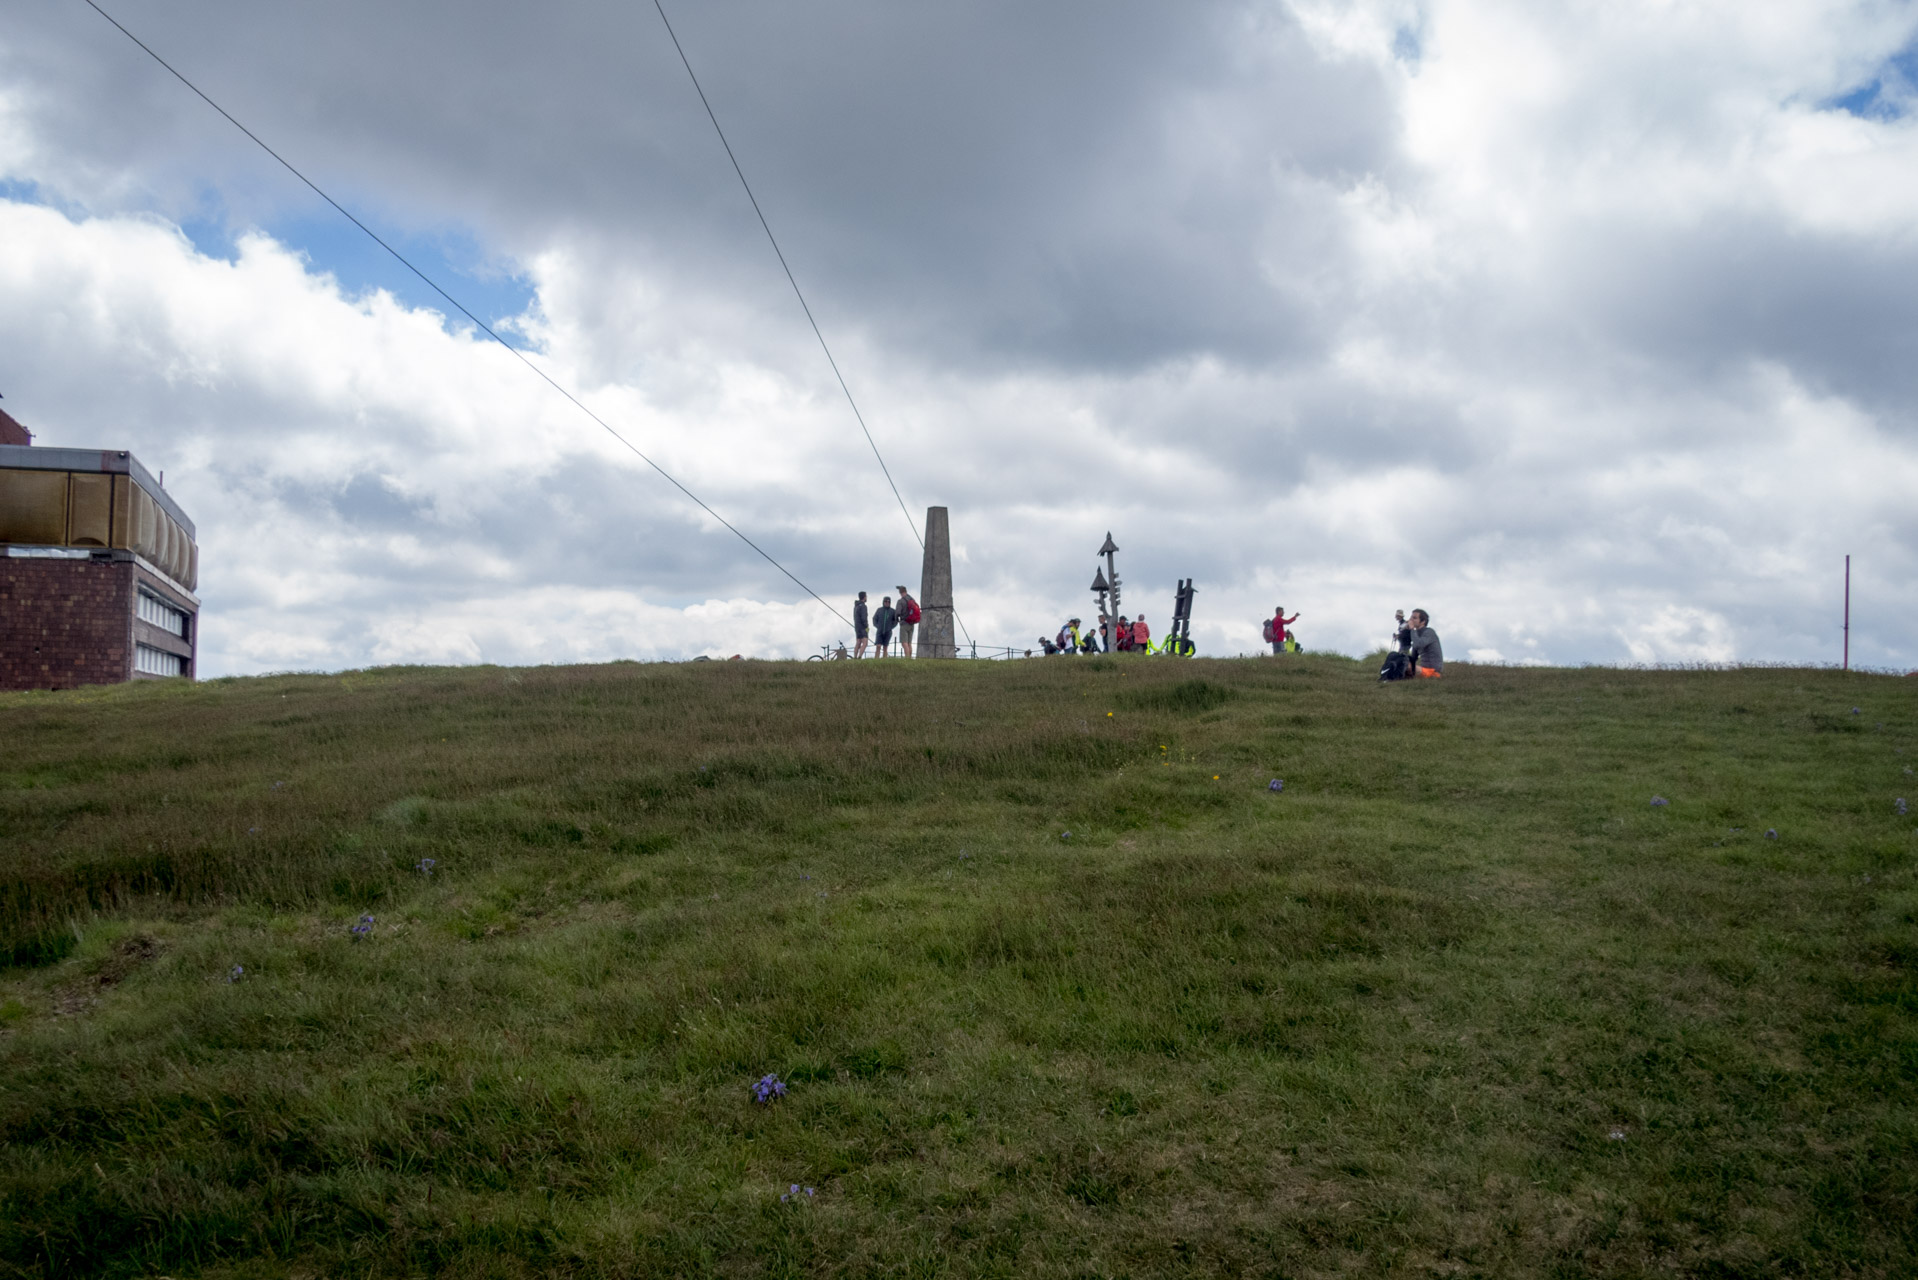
<point x="1428" y="658"/>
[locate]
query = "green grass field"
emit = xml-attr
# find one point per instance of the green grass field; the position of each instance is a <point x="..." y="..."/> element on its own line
<point x="1459" y="1000"/>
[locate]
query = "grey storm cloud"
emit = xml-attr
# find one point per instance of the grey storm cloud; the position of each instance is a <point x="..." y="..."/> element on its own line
<point x="1079" y="185"/>
<point x="1592" y="338"/>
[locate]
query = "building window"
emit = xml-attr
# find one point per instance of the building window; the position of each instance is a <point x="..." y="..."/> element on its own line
<point x="162" y="615"/>
<point x="149" y="661"/>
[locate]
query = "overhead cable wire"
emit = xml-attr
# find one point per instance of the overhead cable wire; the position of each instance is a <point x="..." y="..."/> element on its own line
<point x="794" y="282"/>
<point x="462" y="309"/>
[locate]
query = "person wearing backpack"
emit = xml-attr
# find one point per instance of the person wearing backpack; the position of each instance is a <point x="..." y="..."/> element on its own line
<point x="1275" y="628"/>
<point x="908" y="610"/>
<point x="883" y="621"/>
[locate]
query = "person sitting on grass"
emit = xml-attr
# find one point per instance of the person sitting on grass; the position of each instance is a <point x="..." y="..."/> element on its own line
<point x="1428" y="659"/>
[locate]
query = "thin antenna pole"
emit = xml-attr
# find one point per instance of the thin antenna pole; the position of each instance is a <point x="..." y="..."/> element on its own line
<point x="1848" y="613"/>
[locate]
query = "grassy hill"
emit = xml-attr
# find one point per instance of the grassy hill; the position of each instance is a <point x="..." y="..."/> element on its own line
<point x="1056" y="983"/>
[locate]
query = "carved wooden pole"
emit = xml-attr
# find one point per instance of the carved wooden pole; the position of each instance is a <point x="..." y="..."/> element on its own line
<point x="1112" y="581"/>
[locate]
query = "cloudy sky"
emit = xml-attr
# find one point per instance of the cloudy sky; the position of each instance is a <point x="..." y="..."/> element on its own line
<point x="1592" y="328"/>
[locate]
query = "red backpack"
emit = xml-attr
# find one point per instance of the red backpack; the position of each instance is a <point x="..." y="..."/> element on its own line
<point x="910" y="611"/>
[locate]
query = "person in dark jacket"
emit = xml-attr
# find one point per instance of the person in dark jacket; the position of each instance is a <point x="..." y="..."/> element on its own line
<point x="859" y="626"/>
<point x="1428" y="658"/>
<point x="1402" y="632"/>
<point x="883" y="621"/>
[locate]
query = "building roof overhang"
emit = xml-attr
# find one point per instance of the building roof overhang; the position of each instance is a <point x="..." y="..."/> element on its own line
<point x="117" y="461"/>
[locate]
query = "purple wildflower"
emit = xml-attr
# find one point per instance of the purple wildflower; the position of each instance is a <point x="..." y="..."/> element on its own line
<point x="425" y="866"/>
<point x="236" y="973"/>
<point x="1277" y="784"/>
<point x="1771" y="833"/>
<point x="1899" y="805"/>
<point x="768" y="1090"/>
<point x="1659" y="802"/>
<point x="364" y="929"/>
<point x="1065" y="835"/>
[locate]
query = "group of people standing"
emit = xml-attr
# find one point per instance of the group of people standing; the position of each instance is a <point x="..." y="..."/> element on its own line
<point x="888" y="618"/>
<point x="1127" y="635"/>
<point x="1418" y="653"/>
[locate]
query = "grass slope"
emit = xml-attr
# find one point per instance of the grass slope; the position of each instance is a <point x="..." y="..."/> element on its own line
<point x="1459" y="1000"/>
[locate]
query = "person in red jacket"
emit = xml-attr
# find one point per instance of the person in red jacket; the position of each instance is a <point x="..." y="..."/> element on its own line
<point x="908" y="611"/>
<point x="1278" y="625"/>
<point x="1122" y="635"/>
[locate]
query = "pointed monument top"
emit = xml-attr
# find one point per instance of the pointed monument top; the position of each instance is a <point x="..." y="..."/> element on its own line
<point x="1109" y="547"/>
<point x="1099" y="581"/>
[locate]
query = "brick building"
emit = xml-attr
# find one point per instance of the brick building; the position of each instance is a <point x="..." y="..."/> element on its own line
<point x="97" y="569"/>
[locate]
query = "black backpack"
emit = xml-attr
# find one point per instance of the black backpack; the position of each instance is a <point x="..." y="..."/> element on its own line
<point x="1396" y="667"/>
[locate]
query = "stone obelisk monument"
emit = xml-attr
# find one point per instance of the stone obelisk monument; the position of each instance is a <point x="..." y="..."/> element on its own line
<point x="935" y="590"/>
